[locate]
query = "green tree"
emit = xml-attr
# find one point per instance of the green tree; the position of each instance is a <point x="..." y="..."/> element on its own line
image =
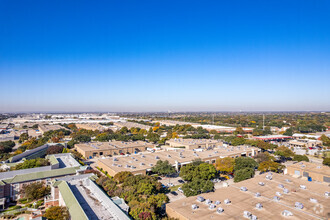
<point x="284" y="152"/>
<point x="245" y="162"/>
<point x="300" y="158"/>
<point x="23" y="137"/>
<point x="243" y="174"/>
<point x="34" y="191"/>
<point x="326" y="161"/>
<point x="270" y="166"/>
<point x="153" y="137"/>
<point x="205" y="171"/>
<point x="325" y="140"/>
<point x="38" y="162"/>
<point x="57" y="213"/>
<point x="197" y="186"/>
<point x="163" y="168"/>
<point x="288" y="132"/>
<point x="121" y="176"/>
<point x="225" y="165"/>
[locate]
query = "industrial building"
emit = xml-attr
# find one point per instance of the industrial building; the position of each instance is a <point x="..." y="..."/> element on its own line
<point x="194" y="143"/>
<point x="111" y="148"/>
<point x="310" y="171"/>
<point x="266" y="196"/>
<point x="130" y="125"/>
<point x="142" y="162"/>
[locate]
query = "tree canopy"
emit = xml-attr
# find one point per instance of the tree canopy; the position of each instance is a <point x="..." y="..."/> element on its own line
<point x="225" y="165"/>
<point x="163" y="168"/>
<point x="57" y="213"/>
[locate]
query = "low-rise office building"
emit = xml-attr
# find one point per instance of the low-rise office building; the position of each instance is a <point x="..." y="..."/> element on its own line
<point x="91" y="126"/>
<point x="310" y="171"/>
<point x="130" y="125"/>
<point x="265" y="196"/>
<point x="194" y="143"/>
<point x="142" y="162"/>
<point x="44" y="128"/>
<point x="111" y="148"/>
<point x="305" y="143"/>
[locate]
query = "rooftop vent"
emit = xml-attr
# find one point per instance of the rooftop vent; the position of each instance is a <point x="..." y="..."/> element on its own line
<point x="327" y="194"/>
<point x="200" y="199"/>
<point x="286" y="191"/>
<point x="257" y="194"/>
<point x="303" y="187"/>
<point x="278" y="194"/>
<point x="211" y="206"/>
<point x="288" y="181"/>
<point x="142" y="164"/>
<point x="243" y="188"/>
<point x="313" y="200"/>
<point x="261" y="183"/>
<point x="157" y="158"/>
<point x="298" y="205"/>
<point x="217" y="202"/>
<point x="114" y="164"/>
<point x="276" y="198"/>
<point x="247" y="214"/>
<point x="115" y="159"/>
<point x="287" y="213"/>
<point x="143" y="156"/>
<point x="151" y="164"/>
<point x="194" y="206"/>
<point x="119" y="165"/>
<point x="133" y="167"/>
<point x="269" y="177"/>
<point x="281" y="186"/>
<point x="227" y="201"/>
<point x="258" y="206"/>
<point x="208" y="201"/>
<point x="168" y="155"/>
<point x="220" y="210"/>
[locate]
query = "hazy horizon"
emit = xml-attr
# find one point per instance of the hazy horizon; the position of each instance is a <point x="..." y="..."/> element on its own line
<point x="68" y="56"/>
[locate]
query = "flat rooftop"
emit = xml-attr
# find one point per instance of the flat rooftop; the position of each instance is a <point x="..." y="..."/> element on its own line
<point x="46" y="128"/>
<point x="312" y="167"/>
<point x="112" y="145"/>
<point x="146" y="160"/>
<point x="191" y="141"/>
<point x="246" y="201"/>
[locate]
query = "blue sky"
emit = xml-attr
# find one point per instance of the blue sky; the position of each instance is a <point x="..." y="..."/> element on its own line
<point x="164" y="55"/>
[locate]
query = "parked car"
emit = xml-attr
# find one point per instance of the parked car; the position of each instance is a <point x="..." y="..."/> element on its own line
<point x="180" y="190"/>
<point x="174" y="193"/>
<point x="181" y="181"/>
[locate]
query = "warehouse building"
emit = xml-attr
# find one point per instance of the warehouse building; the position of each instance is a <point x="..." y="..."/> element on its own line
<point x="266" y="196"/>
<point x="44" y="128"/>
<point x="91" y="126"/>
<point x="111" y="148"/>
<point x="311" y="171"/>
<point x="143" y="162"/>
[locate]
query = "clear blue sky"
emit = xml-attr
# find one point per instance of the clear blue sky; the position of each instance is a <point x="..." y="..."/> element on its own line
<point x="164" y="55"/>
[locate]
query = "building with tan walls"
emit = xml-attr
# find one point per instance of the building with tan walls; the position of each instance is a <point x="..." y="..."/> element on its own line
<point x="194" y="143"/>
<point x="311" y="171"/>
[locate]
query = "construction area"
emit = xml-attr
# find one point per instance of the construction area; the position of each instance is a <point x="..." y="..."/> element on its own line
<point x="266" y="196"/>
<point x="142" y="162"/>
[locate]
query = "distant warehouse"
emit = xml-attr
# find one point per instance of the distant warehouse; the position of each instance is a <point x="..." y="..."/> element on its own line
<point x="112" y="148"/>
<point x="91" y="126"/>
<point x="194" y="143"/>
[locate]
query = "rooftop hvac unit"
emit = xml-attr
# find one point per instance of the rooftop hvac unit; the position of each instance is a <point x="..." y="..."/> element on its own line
<point x="286" y="191"/>
<point x="253" y="217"/>
<point x="276" y="198"/>
<point x="220" y="210"/>
<point x="143" y="156"/>
<point x="257" y="194"/>
<point x="151" y="164"/>
<point x="281" y="186"/>
<point x="247" y="214"/>
<point x="115" y="159"/>
<point x="168" y="155"/>
<point x="287" y="213"/>
<point x="141" y="164"/>
<point x="288" y="181"/>
<point x="269" y="177"/>
<point x="303" y="187"/>
<point x="194" y="206"/>
<point x="318" y="167"/>
<point x="133" y="167"/>
<point x="261" y="183"/>
<point x="127" y="166"/>
<point x="327" y="194"/>
<point x="258" y="206"/>
<point x="227" y="201"/>
<point x="208" y="201"/>
<point x="157" y="158"/>
<point x="298" y="205"/>
<point x="211" y="206"/>
<point x="200" y="199"/>
<point x="243" y="188"/>
<point x="133" y="158"/>
<point x="217" y="202"/>
<point x="313" y="200"/>
<point x="114" y="164"/>
<point x="278" y="194"/>
<point x="120" y="165"/>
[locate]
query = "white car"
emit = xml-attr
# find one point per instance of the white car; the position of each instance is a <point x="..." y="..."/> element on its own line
<point x="180" y="190"/>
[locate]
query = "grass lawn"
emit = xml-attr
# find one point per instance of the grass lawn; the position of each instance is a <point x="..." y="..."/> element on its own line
<point x="175" y="188"/>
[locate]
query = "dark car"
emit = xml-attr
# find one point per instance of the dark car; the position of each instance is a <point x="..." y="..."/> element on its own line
<point x="174" y="193"/>
<point x="180" y="181"/>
